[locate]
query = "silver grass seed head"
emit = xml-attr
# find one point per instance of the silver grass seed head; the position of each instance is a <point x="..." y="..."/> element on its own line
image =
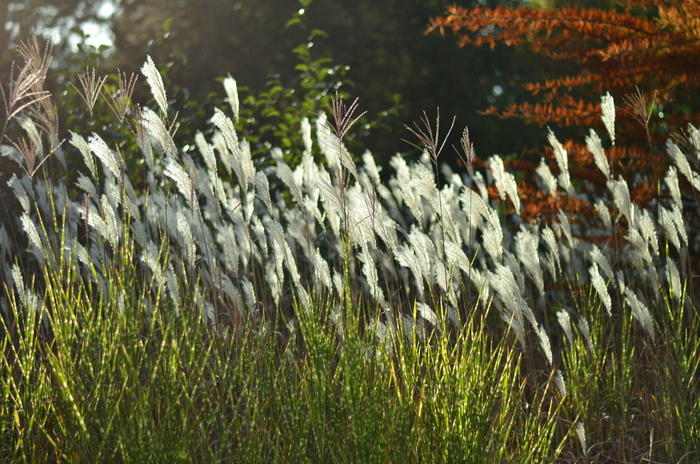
<point x="562" y="158"/>
<point x="565" y="323"/>
<point x="641" y="313"/>
<point x="607" y="106"/>
<point x="155" y="82"/>
<point x="596" y="148"/>
<point x="601" y="288"/>
<point x="231" y="89"/>
<point x="104" y="154"/>
<point x="549" y="182"/>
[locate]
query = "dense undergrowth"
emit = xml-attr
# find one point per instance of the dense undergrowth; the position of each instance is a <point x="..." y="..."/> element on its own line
<point x="213" y="306"/>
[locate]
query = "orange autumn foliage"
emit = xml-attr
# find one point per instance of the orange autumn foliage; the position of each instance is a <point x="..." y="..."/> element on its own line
<point x="642" y="44"/>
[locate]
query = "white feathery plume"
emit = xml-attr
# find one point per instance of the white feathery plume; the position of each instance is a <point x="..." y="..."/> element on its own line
<point x="682" y="164"/>
<point x="412" y="201"/>
<point x="503" y="282"/>
<point x="369" y="270"/>
<point x="371" y="167"/>
<point x="85" y="184"/>
<point x="26" y="296"/>
<point x="474" y="206"/>
<point x="621" y="281"/>
<point x="219" y="143"/>
<point x="81" y="144"/>
<point x="601" y="288"/>
<point x="306" y="135"/>
<point x="226" y="237"/>
<point x="311" y="208"/>
<point x="346" y="159"/>
<point x="150" y="257"/>
<point x="360" y="217"/>
<point x="599" y="258"/>
<point x="321" y="270"/>
<point x="206" y="151"/>
<point x="158" y="131"/>
<point x="565" y="227"/>
<point x="292" y="265"/>
<point x="677" y="218"/>
<point x="209" y="312"/>
<point x="562" y="158"/>
<point x="450" y="203"/>
<point x="278" y="242"/>
<point x="244" y="160"/>
<point x="455" y="255"/>
<point x="694" y="137"/>
<point x="304" y="299"/>
<point x="671" y="180"/>
<point x="379" y="224"/>
<point x="440" y="277"/>
<point x="155" y="82"/>
<point x="108" y="158"/>
<point x="338" y="283"/>
<point x="581" y="435"/>
<point x="604" y="213"/>
<point x="648" y="231"/>
<point x="284" y="173"/>
<point x="227" y="130"/>
<point x="311" y="171"/>
<point x="492" y="236"/>
<point x="186" y="240"/>
<point x="31" y="231"/>
<point x="621" y="196"/>
<point x="224" y="283"/>
<point x="607" y="107"/>
<point x="551" y="241"/>
<point x="480" y="183"/>
<point x="331" y="201"/>
<point x="111" y="222"/>
<point x="424" y="250"/>
<point x="669" y="226"/>
<point x="20" y="192"/>
<point x="549" y="182"/>
<point x="173" y="287"/>
<point x="505" y="182"/>
<point x="182" y="180"/>
<point x="565" y="323"/>
<point x="549" y="262"/>
<point x="248" y="293"/>
<point x="498" y="172"/>
<point x="138" y="229"/>
<point x="585" y="333"/>
<point x="273" y="284"/>
<point x="30" y="128"/>
<point x="423" y="183"/>
<point x="596" y="148"/>
<point x="515" y="294"/>
<point x="526" y="244"/>
<point x="511" y="261"/>
<point x="406" y="257"/>
<point x="262" y="189"/>
<point x="245" y="240"/>
<point x="641" y="313"/>
<point x="231" y="89"/>
<point x="328" y="143"/>
<point x="559" y="382"/>
<point x="427" y="313"/>
<point x="674" y="279"/>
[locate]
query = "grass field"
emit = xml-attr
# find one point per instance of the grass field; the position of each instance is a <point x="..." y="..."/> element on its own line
<point x="211" y="306"/>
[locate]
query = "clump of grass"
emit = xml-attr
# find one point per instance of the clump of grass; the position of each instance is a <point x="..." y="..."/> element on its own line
<point x="218" y="306"/>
